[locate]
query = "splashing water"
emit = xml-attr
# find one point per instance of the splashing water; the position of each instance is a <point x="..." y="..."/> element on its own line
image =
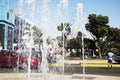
<point x="29" y="1"/>
<point x="80" y="18"/>
<point x="44" y="16"/>
<point x="32" y="4"/>
<point x="62" y="10"/>
<point x="44" y="22"/>
<point x="64" y="3"/>
<point x="61" y="17"/>
<point x="21" y="12"/>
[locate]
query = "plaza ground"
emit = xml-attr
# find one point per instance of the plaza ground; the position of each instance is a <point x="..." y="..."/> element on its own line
<point x="38" y="76"/>
<point x="101" y="65"/>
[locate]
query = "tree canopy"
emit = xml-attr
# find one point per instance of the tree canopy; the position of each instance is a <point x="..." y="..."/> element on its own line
<point x="113" y="37"/>
<point x="104" y="36"/>
<point x="98" y="27"/>
<point x="65" y="29"/>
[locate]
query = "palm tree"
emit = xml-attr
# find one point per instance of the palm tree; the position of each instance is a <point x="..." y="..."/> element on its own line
<point x="65" y="26"/>
<point x="65" y="30"/>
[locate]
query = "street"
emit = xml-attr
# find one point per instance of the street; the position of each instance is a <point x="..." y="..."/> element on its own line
<point x="70" y="70"/>
<point x="73" y="70"/>
<point x="76" y="69"/>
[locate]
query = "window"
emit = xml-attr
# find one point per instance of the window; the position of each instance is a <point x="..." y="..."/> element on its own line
<point x="2" y="33"/>
<point x="7" y="15"/>
<point x="10" y="38"/>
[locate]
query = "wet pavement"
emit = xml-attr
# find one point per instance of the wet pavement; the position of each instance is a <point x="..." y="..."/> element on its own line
<point x="38" y="76"/>
<point x="72" y="71"/>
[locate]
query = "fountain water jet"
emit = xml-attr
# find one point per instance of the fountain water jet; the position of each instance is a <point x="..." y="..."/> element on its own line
<point x="79" y="9"/>
<point x="44" y="18"/>
<point x="19" y="14"/>
<point x="32" y="4"/>
<point x="62" y="13"/>
<point x="44" y="22"/>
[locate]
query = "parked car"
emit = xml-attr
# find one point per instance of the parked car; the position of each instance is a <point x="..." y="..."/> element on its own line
<point x="9" y="58"/>
<point x="117" y="58"/>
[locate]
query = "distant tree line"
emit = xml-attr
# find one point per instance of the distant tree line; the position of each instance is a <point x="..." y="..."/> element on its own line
<point x="104" y="36"/>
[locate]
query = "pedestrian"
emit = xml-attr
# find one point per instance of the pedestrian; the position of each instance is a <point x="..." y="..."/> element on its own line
<point x="110" y="58"/>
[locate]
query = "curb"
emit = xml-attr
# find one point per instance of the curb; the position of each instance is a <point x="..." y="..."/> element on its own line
<point x="99" y="66"/>
<point x="87" y="64"/>
<point x="96" y="63"/>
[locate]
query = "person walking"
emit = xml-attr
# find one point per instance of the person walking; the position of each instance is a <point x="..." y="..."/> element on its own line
<point x="110" y="58"/>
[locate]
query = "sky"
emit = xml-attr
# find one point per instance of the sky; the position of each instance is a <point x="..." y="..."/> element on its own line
<point x="55" y="14"/>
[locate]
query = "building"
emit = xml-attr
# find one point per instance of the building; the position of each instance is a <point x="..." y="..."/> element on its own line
<point x="14" y="29"/>
<point x="22" y="33"/>
<point x="6" y="28"/>
<point x="26" y="36"/>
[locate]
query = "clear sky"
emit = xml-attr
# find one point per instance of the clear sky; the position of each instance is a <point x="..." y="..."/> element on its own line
<point x="110" y="8"/>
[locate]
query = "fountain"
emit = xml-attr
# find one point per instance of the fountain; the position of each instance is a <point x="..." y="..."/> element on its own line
<point x="80" y="19"/>
<point x="44" y="24"/>
<point x="62" y="14"/>
<point x="44" y="18"/>
<point x="44" y="12"/>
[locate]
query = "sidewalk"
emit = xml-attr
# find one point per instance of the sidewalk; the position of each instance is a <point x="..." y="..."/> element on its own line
<point x="39" y="76"/>
<point x="53" y="76"/>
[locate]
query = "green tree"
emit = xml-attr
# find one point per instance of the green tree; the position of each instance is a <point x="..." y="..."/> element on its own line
<point x="75" y="43"/>
<point x="65" y="26"/>
<point x="65" y="30"/>
<point x="59" y="39"/>
<point x="49" y="40"/>
<point x="89" y="44"/>
<point x="37" y="36"/>
<point x="113" y="38"/>
<point x="98" y="28"/>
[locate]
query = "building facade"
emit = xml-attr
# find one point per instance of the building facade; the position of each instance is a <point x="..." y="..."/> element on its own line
<point x="6" y="28"/>
<point x="14" y="30"/>
<point x="22" y="33"/>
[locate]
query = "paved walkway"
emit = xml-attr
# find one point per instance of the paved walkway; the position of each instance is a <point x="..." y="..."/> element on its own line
<point x="38" y="76"/>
